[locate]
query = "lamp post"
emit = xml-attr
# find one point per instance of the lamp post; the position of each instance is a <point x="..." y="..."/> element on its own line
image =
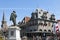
<point x="44" y="36"/>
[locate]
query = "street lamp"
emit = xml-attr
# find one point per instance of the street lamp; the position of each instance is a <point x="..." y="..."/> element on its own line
<point x="44" y="36"/>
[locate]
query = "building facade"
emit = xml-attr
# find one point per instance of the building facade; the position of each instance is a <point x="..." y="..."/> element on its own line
<point x="39" y="26"/>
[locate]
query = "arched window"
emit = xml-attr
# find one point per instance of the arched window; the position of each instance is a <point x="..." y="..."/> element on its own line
<point x="40" y="30"/>
<point x="45" y="23"/>
<point x="34" y="29"/>
<point x="41" y="24"/>
<point x="49" y="30"/>
<point x="45" y="30"/>
<point x="30" y="30"/>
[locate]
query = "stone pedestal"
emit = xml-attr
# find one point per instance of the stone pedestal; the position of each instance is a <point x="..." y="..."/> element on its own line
<point x="14" y="33"/>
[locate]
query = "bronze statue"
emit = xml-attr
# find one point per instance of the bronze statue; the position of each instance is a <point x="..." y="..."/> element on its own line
<point x="13" y="17"/>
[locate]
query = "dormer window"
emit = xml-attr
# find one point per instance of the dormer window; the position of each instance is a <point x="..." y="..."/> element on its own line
<point x="34" y="15"/>
<point x="41" y="10"/>
<point x="23" y="21"/>
<point x="44" y="16"/>
<point x="52" y="17"/>
<point x="45" y="13"/>
<point x="37" y="10"/>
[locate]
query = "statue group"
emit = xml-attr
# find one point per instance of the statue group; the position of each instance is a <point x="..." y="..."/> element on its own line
<point x="13" y="17"/>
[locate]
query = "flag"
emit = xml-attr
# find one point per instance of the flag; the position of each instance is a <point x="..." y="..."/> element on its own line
<point x="55" y="28"/>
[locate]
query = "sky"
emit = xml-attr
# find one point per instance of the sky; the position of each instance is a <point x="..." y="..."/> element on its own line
<point x="26" y="7"/>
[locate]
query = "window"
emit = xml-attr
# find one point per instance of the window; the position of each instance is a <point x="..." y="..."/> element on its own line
<point x="52" y="25"/>
<point x="45" y="24"/>
<point x="49" y="24"/>
<point x="52" y="17"/>
<point x="41" y="10"/>
<point x="45" y="30"/>
<point x="40" y="23"/>
<point x="36" y="9"/>
<point x="12" y="33"/>
<point x="40" y="30"/>
<point x="49" y="30"/>
<point x="30" y="30"/>
<point x="39" y="13"/>
<point x="44" y="17"/>
<point x="35" y="16"/>
<point x="34" y="29"/>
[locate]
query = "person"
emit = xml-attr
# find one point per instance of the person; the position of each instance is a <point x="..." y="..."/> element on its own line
<point x="13" y="17"/>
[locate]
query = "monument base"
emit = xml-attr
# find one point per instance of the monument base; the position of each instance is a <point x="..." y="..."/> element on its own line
<point x="14" y="33"/>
